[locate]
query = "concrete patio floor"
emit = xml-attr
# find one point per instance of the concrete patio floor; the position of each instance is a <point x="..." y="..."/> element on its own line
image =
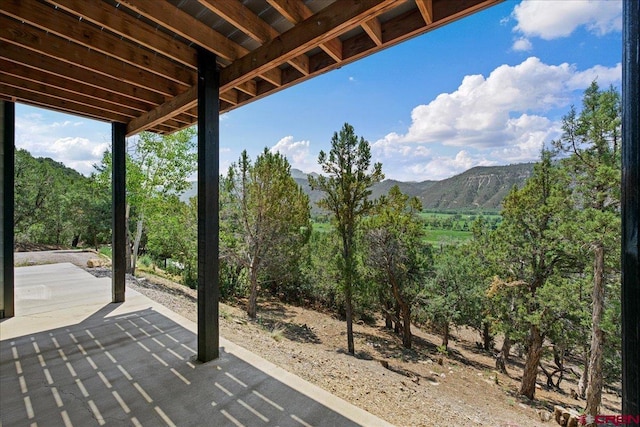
<point x="71" y="358"/>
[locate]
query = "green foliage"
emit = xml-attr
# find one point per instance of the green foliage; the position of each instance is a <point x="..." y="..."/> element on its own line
<point x="531" y="248"/>
<point x="172" y="229"/>
<point x="347" y="188"/>
<point x="593" y="140"/>
<point x="266" y="218"/>
<point x="453" y="294"/>
<point x="158" y="167"/>
<point x="53" y="204"/>
<point x="395" y="253"/>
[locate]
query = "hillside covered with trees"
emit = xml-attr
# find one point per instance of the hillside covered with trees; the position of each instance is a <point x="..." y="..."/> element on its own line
<point x="543" y="282"/>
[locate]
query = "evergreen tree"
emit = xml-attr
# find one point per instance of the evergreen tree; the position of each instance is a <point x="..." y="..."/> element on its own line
<point x="347" y="189"/>
<point x="268" y="218"/>
<point x="395" y="254"/>
<point x="532" y="247"/>
<point x="593" y="139"/>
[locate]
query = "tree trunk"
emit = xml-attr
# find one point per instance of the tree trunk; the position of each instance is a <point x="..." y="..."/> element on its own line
<point x="397" y="328"/>
<point x="445" y="335"/>
<point x="388" y="318"/>
<point x="136" y="245"/>
<point x="405" y="311"/>
<point x="252" y="305"/>
<point x="406" y="328"/>
<point x="584" y="377"/>
<point x="128" y="242"/>
<point x="503" y="357"/>
<point x="594" y="386"/>
<point x="487" y="339"/>
<point x="530" y="372"/>
<point x="349" y="314"/>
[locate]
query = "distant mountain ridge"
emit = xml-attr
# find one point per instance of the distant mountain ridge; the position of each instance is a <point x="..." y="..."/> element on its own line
<point x="479" y="188"/>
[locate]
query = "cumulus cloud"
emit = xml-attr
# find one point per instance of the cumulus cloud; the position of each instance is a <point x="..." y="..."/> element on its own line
<point x="60" y="141"/>
<point x="552" y="20"/>
<point x="496" y="111"/>
<point x="297" y="153"/>
<point x="522" y="45"/>
<point x="430" y="167"/>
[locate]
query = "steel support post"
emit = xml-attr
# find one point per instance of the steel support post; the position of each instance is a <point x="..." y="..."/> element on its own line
<point x="208" y="205"/>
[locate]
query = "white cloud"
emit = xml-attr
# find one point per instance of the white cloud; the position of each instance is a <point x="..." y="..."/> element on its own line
<point x="61" y="141"/>
<point x="550" y="20"/>
<point x="434" y="168"/>
<point x="297" y="153"/>
<point x="497" y="119"/>
<point x="605" y="76"/>
<point x="522" y="45"/>
<point x="494" y="112"/>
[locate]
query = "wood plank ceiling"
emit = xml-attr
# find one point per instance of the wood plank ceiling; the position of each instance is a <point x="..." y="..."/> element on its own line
<point x="135" y="61"/>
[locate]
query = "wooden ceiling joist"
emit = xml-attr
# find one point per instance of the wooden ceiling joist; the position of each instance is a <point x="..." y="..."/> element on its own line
<point x="135" y="61"/>
<point x="126" y="26"/>
<point x="62" y="49"/>
<point x="186" y="26"/>
<point x="66" y="70"/>
<point x="426" y="9"/>
<point x="65" y="26"/>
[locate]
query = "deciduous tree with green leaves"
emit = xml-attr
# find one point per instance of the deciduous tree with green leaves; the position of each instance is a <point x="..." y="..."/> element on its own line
<point x="347" y="189"/>
<point x="157" y="166"/>
<point x="268" y="217"/>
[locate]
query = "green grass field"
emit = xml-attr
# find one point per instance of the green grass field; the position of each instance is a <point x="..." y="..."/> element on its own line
<point x="440" y="227"/>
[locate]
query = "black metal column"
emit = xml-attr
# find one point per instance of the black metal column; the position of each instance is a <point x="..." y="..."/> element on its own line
<point x="118" y="204"/>
<point x="7" y="163"/>
<point x="630" y="208"/>
<point x="208" y="205"/>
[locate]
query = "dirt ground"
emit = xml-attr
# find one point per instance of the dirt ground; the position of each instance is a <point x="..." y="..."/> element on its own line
<point x="418" y="387"/>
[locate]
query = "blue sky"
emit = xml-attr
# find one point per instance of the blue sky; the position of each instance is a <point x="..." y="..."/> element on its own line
<point x="490" y="89"/>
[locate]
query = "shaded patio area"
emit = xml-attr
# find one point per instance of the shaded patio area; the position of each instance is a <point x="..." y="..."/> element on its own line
<point x="69" y="358"/>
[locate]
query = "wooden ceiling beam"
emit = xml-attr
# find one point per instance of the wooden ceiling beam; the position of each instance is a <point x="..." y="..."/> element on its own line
<point x="32" y="97"/>
<point x="231" y="96"/>
<point x="161" y="113"/>
<point x="426" y="10"/>
<point x="323" y="26"/>
<point x="273" y="76"/>
<point x="183" y="24"/>
<point x="242" y="18"/>
<point x="78" y="75"/>
<point x="59" y="23"/>
<point x="296" y="11"/>
<point x="61" y="49"/>
<point x="300" y="63"/>
<point x="91" y="94"/>
<point x="374" y="29"/>
<point x="249" y="23"/>
<point x="168" y="16"/>
<point x="117" y="21"/>
<point x="248" y="87"/>
<point x="55" y="92"/>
